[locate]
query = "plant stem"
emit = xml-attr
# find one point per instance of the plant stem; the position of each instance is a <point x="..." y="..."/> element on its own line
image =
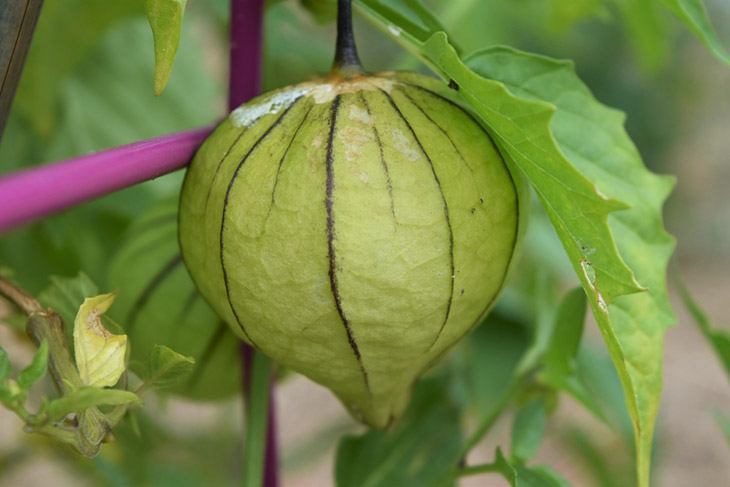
<point x="244" y="80"/>
<point x="260" y="461"/>
<point x="257" y="422"/>
<point x="347" y="62"/>
<point x="35" y="193"/>
<point x="477" y="469"/>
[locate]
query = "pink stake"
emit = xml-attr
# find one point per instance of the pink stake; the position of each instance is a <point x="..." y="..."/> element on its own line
<point x="35" y="193"/>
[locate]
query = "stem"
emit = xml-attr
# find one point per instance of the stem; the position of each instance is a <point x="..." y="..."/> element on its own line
<point x="260" y="461"/>
<point x="477" y="469"/>
<point x="244" y="81"/>
<point x="347" y="62"/>
<point x="45" y="325"/>
<point x="257" y="422"/>
<point x="32" y="194"/>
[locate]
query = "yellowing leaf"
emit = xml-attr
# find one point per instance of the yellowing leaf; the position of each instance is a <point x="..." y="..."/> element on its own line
<point x="99" y="353"/>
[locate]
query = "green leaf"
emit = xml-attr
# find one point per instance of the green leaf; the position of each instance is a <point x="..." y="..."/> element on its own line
<point x="37" y="368"/>
<point x="323" y="11"/>
<point x="522" y="129"/>
<point x="581" y="163"/>
<point x="647" y="31"/>
<point x="594" y="140"/>
<point x="718" y="339"/>
<point x="521" y="476"/>
<point x="565" y="14"/>
<point x="604" y="463"/>
<point x="5" y="367"/>
<point x="424" y="14"/>
<point x="88" y="397"/>
<point x="528" y="430"/>
<point x="165" y="18"/>
<point x="418" y="450"/>
<point x="66" y="32"/>
<point x="694" y="14"/>
<point x="158" y="304"/>
<point x="567" y="333"/>
<point x="484" y="364"/>
<point x="559" y="362"/>
<point x="167" y="367"/>
<point x="65" y="294"/>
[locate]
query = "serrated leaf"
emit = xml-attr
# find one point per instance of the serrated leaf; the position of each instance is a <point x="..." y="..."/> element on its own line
<point x="167" y="367"/>
<point x="88" y="397"/>
<point x="37" y="368"/>
<point x="528" y="430"/>
<point x="5" y="366"/>
<point x="159" y="305"/>
<point x="165" y="18"/>
<point x="577" y="210"/>
<point x="593" y="138"/>
<point x="423" y="445"/>
<point x="718" y="339"/>
<point x="580" y="161"/>
<point x="694" y="14"/>
<point x="99" y="354"/>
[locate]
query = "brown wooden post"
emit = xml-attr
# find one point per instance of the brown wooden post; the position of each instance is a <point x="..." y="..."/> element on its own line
<point x="17" y="22"/>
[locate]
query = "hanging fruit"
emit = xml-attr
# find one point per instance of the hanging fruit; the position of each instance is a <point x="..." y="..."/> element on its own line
<point x="352" y="228"/>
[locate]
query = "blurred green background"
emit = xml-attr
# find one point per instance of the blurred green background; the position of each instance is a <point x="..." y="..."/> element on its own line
<point x="88" y="86"/>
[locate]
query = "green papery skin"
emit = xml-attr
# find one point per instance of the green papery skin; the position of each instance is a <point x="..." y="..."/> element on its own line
<point x="352" y="230"/>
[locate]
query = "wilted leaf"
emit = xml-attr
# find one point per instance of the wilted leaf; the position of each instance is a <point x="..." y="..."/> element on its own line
<point x="167" y="367"/>
<point x="99" y="354"/>
<point x="165" y="18"/>
<point x="37" y="368"/>
<point x="528" y="430"/>
<point x="88" y="397"/>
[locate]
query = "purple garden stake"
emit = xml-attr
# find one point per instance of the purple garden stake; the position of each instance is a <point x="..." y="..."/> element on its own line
<point x="31" y="194"/>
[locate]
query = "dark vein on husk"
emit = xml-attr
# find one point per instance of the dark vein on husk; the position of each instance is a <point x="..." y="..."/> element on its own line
<point x="329" y="189"/>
